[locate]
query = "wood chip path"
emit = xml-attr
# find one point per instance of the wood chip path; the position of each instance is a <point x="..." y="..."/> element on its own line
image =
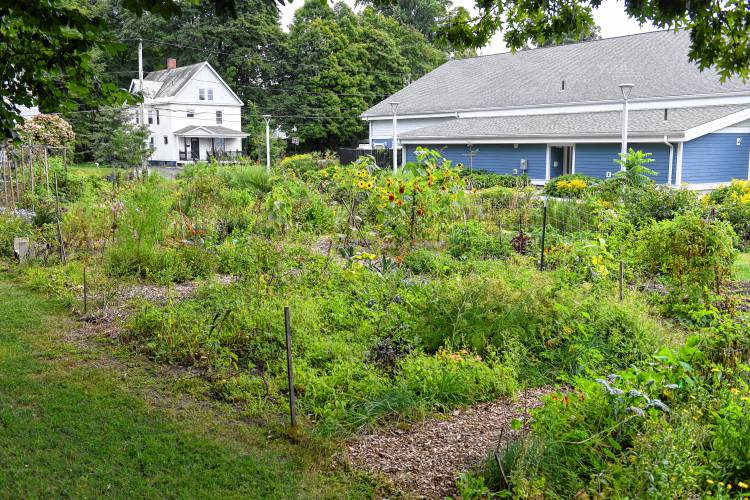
<point x="426" y="460"/>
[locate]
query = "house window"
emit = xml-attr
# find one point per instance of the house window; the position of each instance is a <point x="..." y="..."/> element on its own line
<point x="151" y="141"/>
<point x="150" y="116"/>
<point x="210" y="93"/>
<point x="218" y="118"/>
<point x="219" y="144"/>
<point x="201" y="94"/>
<point x="157" y="117"/>
<point x="190" y="113"/>
<point x="166" y="140"/>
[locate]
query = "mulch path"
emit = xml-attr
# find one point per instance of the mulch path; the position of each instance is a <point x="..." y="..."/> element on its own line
<point x="426" y="460"/>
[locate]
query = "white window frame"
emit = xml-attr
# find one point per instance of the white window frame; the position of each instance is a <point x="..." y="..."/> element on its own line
<point x="209" y="94"/>
<point x="201" y="94"/>
<point x="150" y="116"/>
<point x="219" y="117"/>
<point x="166" y="139"/>
<point x="191" y="113"/>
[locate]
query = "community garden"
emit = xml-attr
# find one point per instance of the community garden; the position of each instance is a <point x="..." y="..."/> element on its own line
<point x="417" y="294"/>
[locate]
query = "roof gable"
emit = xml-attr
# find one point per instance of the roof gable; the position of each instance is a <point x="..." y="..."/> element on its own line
<point x="657" y="63"/>
<point x="173" y="81"/>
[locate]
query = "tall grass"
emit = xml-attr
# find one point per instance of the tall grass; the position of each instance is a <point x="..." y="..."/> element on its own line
<point x="249" y="177"/>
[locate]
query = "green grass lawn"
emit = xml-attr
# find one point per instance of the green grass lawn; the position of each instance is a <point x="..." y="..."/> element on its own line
<point x="742" y="267"/>
<point x="90" y="170"/>
<point x="76" y="424"/>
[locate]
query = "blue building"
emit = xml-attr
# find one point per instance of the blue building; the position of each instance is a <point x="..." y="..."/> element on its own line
<point x="553" y="111"/>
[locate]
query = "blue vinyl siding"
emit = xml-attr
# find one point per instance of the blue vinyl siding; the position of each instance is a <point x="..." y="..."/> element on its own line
<point x="596" y="160"/>
<point x="715" y="158"/>
<point x="498" y="158"/>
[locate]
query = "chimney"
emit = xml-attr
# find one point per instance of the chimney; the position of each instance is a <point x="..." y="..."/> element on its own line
<point x="171" y="63"/>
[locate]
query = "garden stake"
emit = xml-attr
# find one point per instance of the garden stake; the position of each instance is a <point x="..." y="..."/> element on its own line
<point x="289" y="371"/>
<point x="544" y="232"/>
<point x="59" y="228"/>
<point x="622" y="280"/>
<point x="85" y="294"/>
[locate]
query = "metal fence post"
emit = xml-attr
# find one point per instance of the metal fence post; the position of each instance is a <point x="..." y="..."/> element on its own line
<point x="289" y="370"/>
<point x="544" y="234"/>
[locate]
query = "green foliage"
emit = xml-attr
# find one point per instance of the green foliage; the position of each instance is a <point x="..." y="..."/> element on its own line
<point x="569" y="186"/>
<point x="690" y="253"/>
<point x="11" y="227"/>
<point x="733" y="203"/>
<point x="660" y="203"/>
<point x="250" y="177"/>
<point x="481" y="179"/>
<point x="634" y="173"/>
<point x="114" y="139"/>
<point x="50" y="130"/>
<point x="471" y="240"/>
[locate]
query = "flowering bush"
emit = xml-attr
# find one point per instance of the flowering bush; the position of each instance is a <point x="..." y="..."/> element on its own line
<point x="47" y="129"/>
<point x="733" y="204"/>
<point x="569" y="186"/>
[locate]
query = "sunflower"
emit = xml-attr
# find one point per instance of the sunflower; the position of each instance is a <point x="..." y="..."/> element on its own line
<point x="391" y="197"/>
<point x="361" y="184"/>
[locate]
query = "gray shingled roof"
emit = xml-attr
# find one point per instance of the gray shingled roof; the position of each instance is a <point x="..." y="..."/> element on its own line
<point x="657" y="63"/>
<point x="173" y="79"/>
<point x="640" y="122"/>
<point x="215" y="130"/>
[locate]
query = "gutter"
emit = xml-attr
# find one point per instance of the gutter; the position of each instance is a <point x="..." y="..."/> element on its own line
<point x="671" y="155"/>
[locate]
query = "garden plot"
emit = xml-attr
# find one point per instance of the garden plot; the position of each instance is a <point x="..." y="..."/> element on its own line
<point x="427" y="458"/>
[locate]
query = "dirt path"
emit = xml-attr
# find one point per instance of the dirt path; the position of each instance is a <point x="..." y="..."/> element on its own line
<point x="426" y="459"/>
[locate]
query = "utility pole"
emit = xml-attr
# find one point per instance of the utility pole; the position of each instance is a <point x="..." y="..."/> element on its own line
<point x="267" y="119"/>
<point x="142" y="109"/>
<point x="625" y="88"/>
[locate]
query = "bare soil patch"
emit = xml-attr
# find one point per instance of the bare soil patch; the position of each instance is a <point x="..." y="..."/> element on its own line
<point x="426" y="459"/>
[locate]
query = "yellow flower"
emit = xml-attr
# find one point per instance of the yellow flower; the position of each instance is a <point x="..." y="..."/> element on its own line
<point x="729" y="486"/>
<point x="361" y="184"/>
<point x="710" y="481"/>
<point x="742" y="485"/>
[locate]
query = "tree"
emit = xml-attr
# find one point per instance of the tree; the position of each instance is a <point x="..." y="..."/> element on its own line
<point x="591" y="32"/>
<point x="422" y="15"/>
<point x="47" y="49"/>
<point x="719" y="30"/>
<point x="116" y="141"/>
<point x="344" y="63"/>
<point x="50" y="130"/>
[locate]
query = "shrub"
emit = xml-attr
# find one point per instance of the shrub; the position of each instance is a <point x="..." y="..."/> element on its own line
<point x="421" y="261"/>
<point x="482" y="179"/>
<point x="733" y="203"/>
<point x="471" y="240"/>
<point x="569" y="186"/>
<point x="659" y="203"/>
<point x="689" y="252"/>
<point x="11" y="227"/>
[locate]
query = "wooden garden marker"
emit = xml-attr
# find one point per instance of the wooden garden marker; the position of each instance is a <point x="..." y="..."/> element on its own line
<point x="622" y="280"/>
<point x="289" y="370"/>
<point x="59" y="227"/>
<point x="46" y="168"/>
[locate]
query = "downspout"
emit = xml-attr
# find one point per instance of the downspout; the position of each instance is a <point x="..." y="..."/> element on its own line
<point x="671" y="155"/>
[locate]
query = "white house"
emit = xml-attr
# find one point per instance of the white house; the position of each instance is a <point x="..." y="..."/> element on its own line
<point x="192" y="114"/>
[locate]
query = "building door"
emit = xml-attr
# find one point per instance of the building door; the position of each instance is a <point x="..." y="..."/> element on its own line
<point x="195" y="151"/>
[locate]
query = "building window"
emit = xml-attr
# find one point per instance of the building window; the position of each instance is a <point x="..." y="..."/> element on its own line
<point x="190" y="113"/>
<point x="201" y="94"/>
<point x="151" y="141"/>
<point x="157" y="117"/>
<point x="210" y="94"/>
<point x="150" y="116"/>
<point x="218" y="118"/>
<point x="219" y="144"/>
<point x="166" y="140"/>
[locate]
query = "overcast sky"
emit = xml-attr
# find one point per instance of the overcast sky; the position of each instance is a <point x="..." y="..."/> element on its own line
<point x="610" y="16"/>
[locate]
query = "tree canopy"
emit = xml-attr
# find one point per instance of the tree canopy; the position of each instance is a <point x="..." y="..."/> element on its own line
<point x="719" y="30"/>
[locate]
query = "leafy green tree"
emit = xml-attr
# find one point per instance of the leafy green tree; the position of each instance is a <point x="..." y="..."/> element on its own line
<point x="422" y="15"/>
<point x="719" y="31"/>
<point x="588" y="33"/>
<point x="345" y="62"/>
<point x="116" y="141"/>
<point x="635" y="173"/>
<point x="48" y="48"/>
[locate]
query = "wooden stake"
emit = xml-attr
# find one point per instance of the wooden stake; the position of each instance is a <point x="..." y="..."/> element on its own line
<point x="59" y="227"/>
<point x="46" y="168"/>
<point x="622" y="281"/>
<point x="544" y="233"/>
<point x="31" y="168"/>
<point x="289" y="369"/>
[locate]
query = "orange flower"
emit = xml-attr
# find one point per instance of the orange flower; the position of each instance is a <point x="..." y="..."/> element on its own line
<point x="399" y="202"/>
<point x="401" y="189"/>
<point x="391" y="197"/>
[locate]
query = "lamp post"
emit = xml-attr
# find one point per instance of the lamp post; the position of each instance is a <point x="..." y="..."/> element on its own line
<point x="625" y="88"/>
<point x="267" y="119"/>
<point x="394" y="106"/>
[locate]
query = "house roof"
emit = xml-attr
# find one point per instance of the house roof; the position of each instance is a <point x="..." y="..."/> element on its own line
<point x="657" y="63"/>
<point x="209" y="131"/>
<point x="646" y="122"/>
<point x="172" y="80"/>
